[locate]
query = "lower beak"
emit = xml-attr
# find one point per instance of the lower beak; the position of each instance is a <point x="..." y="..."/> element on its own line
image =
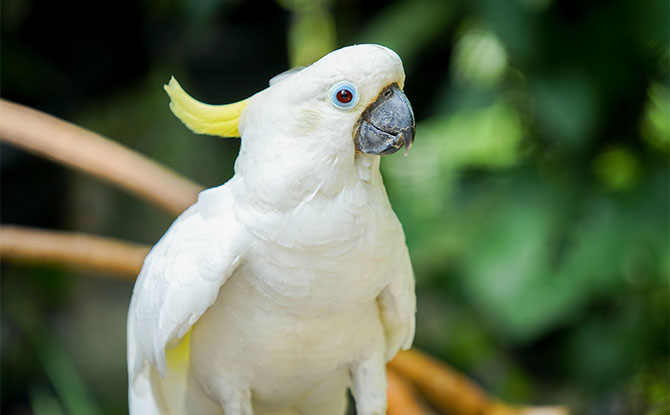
<point x="387" y="124"/>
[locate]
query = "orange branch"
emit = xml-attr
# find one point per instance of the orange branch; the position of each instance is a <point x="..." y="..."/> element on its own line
<point x="448" y="390"/>
<point x="66" y="143"/>
<point x="112" y="256"/>
<point x="402" y="396"/>
<point x="452" y="392"/>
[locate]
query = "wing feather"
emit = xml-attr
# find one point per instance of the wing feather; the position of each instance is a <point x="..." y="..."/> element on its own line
<point x="397" y="307"/>
<point x="181" y="277"/>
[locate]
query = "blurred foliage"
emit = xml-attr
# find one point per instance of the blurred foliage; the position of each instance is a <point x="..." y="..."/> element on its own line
<point x="535" y="200"/>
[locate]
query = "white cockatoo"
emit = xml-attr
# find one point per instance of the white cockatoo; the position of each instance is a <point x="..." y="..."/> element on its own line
<point x="278" y="290"/>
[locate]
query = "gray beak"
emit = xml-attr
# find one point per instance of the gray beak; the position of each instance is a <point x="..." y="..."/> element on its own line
<point x="387" y="124"/>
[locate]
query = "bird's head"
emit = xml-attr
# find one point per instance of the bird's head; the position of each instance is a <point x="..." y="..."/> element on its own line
<point x="354" y="93"/>
<point x="350" y="100"/>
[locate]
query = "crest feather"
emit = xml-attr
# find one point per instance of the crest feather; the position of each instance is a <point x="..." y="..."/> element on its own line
<point x="201" y="118"/>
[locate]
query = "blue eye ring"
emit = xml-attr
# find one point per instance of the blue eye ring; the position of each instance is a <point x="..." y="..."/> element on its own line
<point x="344" y="95"/>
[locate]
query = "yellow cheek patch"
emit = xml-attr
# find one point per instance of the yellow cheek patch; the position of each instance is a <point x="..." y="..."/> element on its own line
<point x="201" y="118"/>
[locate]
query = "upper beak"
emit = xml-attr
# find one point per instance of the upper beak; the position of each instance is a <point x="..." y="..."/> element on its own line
<point x="387" y="124"/>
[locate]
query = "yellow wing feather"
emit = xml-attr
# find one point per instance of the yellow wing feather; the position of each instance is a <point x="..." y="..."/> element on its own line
<point x="179" y="355"/>
<point x="173" y="386"/>
<point x="201" y="118"/>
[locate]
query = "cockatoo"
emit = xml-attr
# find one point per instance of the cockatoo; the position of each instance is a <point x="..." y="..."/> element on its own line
<point x="292" y="282"/>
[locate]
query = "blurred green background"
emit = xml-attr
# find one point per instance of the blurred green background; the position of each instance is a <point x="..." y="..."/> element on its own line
<point x="535" y="200"/>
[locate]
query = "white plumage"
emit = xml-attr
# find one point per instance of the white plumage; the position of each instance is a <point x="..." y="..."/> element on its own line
<point x="291" y="282"/>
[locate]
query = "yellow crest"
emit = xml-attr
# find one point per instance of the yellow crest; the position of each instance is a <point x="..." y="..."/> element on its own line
<point x="201" y="118"/>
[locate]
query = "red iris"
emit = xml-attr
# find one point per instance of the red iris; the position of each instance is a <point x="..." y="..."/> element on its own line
<point x="344" y="96"/>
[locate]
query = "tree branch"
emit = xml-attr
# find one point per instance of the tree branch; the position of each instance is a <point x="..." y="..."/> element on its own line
<point x="452" y="392"/>
<point x="91" y="153"/>
<point x="107" y="255"/>
<point x="445" y="388"/>
<point x="402" y="396"/>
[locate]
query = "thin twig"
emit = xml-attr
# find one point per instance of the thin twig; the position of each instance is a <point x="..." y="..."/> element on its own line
<point x="85" y="150"/>
<point x="111" y="256"/>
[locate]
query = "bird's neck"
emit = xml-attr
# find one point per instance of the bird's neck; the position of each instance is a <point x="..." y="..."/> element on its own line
<point x="367" y="167"/>
<point x="284" y="185"/>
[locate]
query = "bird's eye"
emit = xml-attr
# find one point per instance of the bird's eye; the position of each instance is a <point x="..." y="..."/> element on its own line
<point x="344" y="95"/>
